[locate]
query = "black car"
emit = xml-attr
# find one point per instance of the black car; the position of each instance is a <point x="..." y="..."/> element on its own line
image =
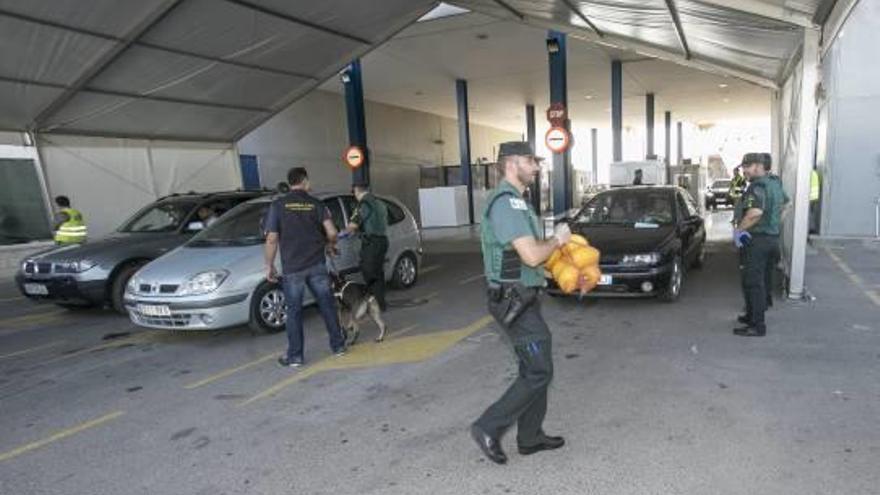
<point x="719" y="193"/>
<point x="96" y="272"/>
<point x="648" y="237"/>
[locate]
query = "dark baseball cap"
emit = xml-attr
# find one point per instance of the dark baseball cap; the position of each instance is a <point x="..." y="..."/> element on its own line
<point x="516" y="148"/>
<point x="762" y="158"/>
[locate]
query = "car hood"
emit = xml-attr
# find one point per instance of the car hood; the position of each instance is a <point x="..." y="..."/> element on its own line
<point x="617" y="239"/>
<point x="179" y="265"/>
<point x="102" y="246"/>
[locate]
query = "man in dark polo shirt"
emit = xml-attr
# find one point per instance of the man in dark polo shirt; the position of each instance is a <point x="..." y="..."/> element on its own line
<point x="301" y="225"/>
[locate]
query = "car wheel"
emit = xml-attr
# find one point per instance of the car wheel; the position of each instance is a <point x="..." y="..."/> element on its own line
<point x="268" y="310"/>
<point x="117" y="289"/>
<point x="406" y="272"/>
<point x="673" y="289"/>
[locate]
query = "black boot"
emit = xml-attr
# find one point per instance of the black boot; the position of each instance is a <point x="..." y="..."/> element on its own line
<point x="744" y="319"/>
<point x="489" y="445"/>
<point x="546" y="443"/>
<point x="750" y="332"/>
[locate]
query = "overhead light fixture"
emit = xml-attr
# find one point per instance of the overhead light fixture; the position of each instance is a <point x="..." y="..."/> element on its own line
<point x="588" y="97"/>
<point x="722" y="85"/>
<point x="345" y="77"/>
<point x="443" y="10"/>
<point x="552" y="46"/>
<point x="726" y="100"/>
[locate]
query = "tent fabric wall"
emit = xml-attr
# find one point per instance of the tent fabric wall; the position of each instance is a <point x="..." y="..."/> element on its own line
<point x="109" y="179"/>
<point x="313" y="133"/>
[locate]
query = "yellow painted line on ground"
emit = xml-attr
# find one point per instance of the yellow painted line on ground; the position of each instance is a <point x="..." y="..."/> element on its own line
<point x="31" y="319"/>
<point x="396" y="351"/>
<point x="230" y="371"/>
<point x="471" y="279"/>
<point x="429" y="269"/>
<point x="138" y="338"/>
<point x="30" y="350"/>
<point x="854" y="277"/>
<point x="59" y="436"/>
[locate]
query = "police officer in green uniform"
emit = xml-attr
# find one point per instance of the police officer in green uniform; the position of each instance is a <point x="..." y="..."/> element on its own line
<point x="70" y="228"/>
<point x="758" y="220"/>
<point x="371" y="220"/>
<point x="513" y="254"/>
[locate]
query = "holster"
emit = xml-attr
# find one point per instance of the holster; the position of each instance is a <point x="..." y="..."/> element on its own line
<point x="507" y="302"/>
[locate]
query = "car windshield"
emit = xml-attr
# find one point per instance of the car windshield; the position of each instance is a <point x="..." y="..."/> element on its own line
<point x="164" y="216"/>
<point x="242" y="226"/>
<point x="641" y="208"/>
<point x="721" y="184"/>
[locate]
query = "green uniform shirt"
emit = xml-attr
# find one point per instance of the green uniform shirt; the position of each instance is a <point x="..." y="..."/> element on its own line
<point x="508" y="217"/>
<point x="371" y="216"/>
<point x="766" y="194"/>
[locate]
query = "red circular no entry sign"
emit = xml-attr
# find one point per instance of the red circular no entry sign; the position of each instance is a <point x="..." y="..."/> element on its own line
<point x="354" y="157"/>
<point x="557" y="139"/>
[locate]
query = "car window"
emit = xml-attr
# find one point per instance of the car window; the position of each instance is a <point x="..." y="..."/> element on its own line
<point x="395" y="213"/>
<point x="242" y="226"/>
<point x="629" y="206"/>
<point x="721" y="184"/>
<point x="335" y="208"/>
<point x="686" y="205"/>
<point x="163" y="216"/>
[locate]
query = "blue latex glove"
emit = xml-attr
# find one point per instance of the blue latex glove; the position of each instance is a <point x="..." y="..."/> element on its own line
<point x="741" y="238"/>
<point x="343" y="234"/>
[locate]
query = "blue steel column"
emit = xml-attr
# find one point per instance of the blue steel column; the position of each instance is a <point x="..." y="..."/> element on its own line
<point x="680" y="144"/>
<point x="594" y="142"/>
<point x="668" y="155"/>
<point x="649" y="125"/>
<point x="617" y="108"/>
<point x="357" y="124"/>
<point x="464" y="144"/>
<point x="559" y="94"/>
<point x="535" y="190"/>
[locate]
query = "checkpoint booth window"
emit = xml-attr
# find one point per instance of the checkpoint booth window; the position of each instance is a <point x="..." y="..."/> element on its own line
<point x="23" y="213"/>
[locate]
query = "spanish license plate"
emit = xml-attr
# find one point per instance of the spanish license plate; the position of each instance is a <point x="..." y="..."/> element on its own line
<point x="36" y="289"/>
<point x="606" y="280"/>
<point x="153" y="310"/>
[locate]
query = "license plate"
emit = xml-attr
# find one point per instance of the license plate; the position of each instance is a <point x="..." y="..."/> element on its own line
<point x="153" y="310"/>
<point x="36" y="289"/>
<point x="605" y="280"/>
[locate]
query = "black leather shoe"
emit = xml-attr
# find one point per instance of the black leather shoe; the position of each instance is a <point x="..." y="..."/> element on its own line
<point x="547" y="443"/>
<point x="490" y="446"/>
<point x="749" y="332"/>
<point x="743" y="319"/>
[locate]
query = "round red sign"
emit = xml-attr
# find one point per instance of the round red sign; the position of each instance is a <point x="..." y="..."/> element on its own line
<point x="557" y="139"/>
<point x="354" y="157"/>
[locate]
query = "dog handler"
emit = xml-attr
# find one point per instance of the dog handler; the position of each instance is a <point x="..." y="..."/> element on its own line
<point x="513" y="253"/>
<point x="301" y="225"/>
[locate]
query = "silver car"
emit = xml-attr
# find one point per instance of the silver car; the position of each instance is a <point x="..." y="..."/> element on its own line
<point x="217" y="279"/>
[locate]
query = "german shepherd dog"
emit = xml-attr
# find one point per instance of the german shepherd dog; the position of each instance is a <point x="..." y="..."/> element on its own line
<point x="353" y="304"/>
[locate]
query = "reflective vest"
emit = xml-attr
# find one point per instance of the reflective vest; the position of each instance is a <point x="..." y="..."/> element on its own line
<point x="814" y="186"/>
<point x="72" y="231"/>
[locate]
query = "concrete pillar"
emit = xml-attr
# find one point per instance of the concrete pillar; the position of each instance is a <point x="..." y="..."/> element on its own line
<point x="668" y="155"/>
<point x="617" y="109"/>
<point x="594" y="142"/>
<point x="357" y="123"/>
<point x="776" y="129"/>
<point x="464" y="143"/>
<point x="649" y="125"/>
<point x="562" y="180"/>
<point x="680" y="138"/>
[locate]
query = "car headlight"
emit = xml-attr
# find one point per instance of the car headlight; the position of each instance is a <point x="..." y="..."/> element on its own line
<point x="203" y="283"/>
<point x="78" y="266"/>
<point x="132" y="286"/>
<point x="710" y="193"/>
<point x="641" y="259"/>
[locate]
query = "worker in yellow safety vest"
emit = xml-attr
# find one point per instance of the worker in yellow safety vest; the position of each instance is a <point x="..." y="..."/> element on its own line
<point x="815" y="191"/>
<point x="70" y="228"/>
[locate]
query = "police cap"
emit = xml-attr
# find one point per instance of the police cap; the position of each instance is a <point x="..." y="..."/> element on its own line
<point x="762" y="158"/>
<point x="516" y="148"/>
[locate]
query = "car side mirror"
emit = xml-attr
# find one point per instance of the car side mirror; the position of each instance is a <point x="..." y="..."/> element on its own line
<point x="195" y="226"/>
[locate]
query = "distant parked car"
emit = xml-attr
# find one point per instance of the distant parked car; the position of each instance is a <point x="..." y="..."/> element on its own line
<point x="718" y="193"/>
<point x="648" y="237"/>
<point x="218" y="279"/>
<point x="96" y="273"/>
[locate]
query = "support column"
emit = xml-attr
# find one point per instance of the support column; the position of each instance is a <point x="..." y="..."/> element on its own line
<point x="464" y="144"/>
<point x="680" y="139"/>
<point x="775" y="130"/>
<point x="649" y="125"/>
<point x="535" y="190"/>
<point x="806" y="130"/>
<point x="594" y="142"/>
<point x="562" y="186"/>
<point x="617" y="109"/>
<point x="668" y="155"/>
<point x="357" y="123"/>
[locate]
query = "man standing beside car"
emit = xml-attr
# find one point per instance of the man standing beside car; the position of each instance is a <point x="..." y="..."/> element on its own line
<point x="371" y="220"/>
<point x="513" y="255"/>
<point x="70" y="228"/>
<point x="302" y="227"/>
<point x="756" y="234"/>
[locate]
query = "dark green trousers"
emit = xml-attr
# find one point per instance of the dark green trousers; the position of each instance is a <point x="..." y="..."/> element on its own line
<point x="525" y="402"/>
<point x="373" y="252"/>
<point x="757" y="263"/>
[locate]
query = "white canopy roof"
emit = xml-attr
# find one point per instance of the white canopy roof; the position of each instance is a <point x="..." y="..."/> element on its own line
<point x="186" y="69"/>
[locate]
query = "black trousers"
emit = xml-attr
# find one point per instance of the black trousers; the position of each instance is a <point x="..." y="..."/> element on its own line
<point x="757" y="264"/>
<point x="525" y="402"/>
<point x="373" y="252"/>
